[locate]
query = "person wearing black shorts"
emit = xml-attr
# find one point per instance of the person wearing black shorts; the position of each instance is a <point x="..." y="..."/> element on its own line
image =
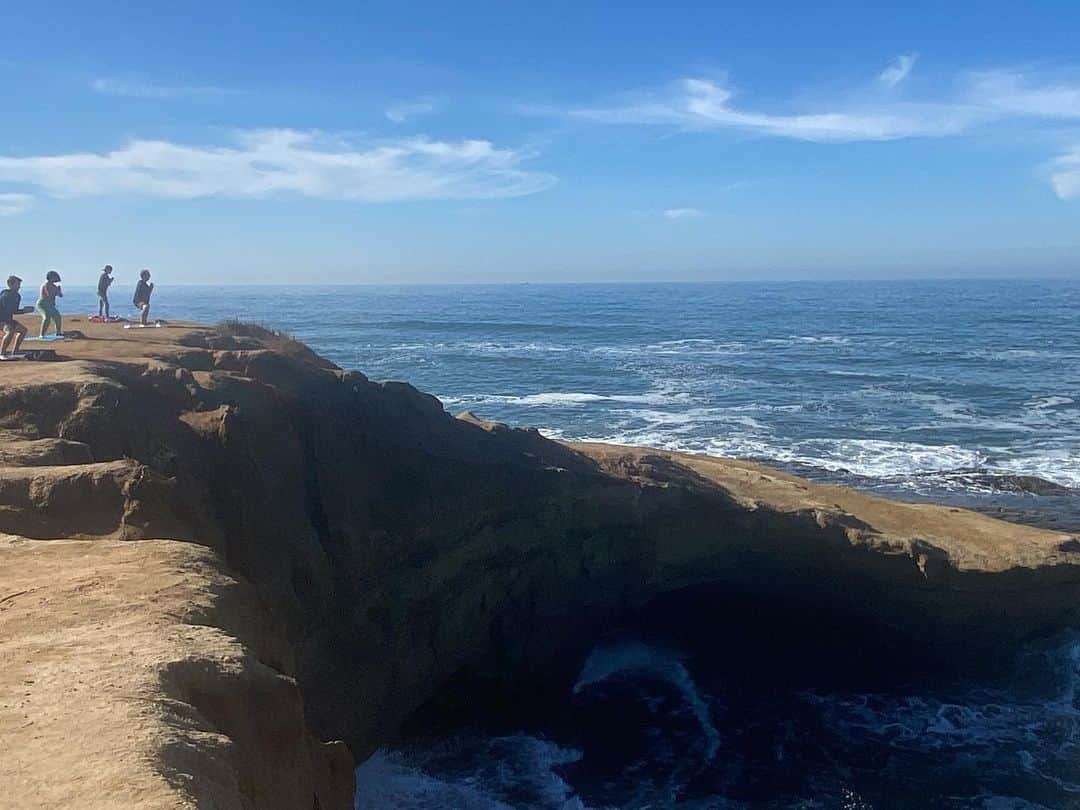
<point x="10" y="306"/>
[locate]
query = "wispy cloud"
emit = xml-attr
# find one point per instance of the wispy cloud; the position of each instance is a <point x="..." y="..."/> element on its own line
<point x="1065" y="175"/>
<point x="697" y="103"/>
<point x="968" y="101"/>
<point x="898" y="70"/>
<point x="974" y="98"/>
<point x="262" y="163"/>
<point x="401" y="111"/>
<point x="12" y="203"/>
<point x="1020" y="93"/>
<point x="676" y="214"/>
<point x="141" y="88"/>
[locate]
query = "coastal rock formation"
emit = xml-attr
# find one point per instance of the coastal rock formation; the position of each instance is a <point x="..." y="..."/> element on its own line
<point x="218" y="536"/>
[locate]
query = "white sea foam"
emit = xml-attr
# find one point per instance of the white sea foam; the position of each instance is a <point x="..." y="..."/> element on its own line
<point x="876" y="458"/>
<point x="686" y="421"/>
<point x="695" y="346"/>
<point x="1041" y="403"/>
<point x="387" y="780"/>
<point x="499" y="773"/>
<point x="894" y="461"/>
<point x="570" y="399"/>
<point x="1061" y="466"/>
<point x="830" y="340"/>
<point x="872" y="458"/>
<point x="607" y="660"/>
<point x="1035" y="726"/>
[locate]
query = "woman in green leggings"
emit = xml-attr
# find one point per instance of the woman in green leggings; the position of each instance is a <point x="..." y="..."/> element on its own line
<point x="46" y="304"/>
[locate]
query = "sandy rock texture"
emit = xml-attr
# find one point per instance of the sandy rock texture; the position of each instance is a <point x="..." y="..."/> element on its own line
<point x="125" y="683"/>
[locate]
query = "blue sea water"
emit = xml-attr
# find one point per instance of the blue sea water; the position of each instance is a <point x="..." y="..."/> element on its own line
<point x="912" y="386"/>
<point x="960" y="391"/>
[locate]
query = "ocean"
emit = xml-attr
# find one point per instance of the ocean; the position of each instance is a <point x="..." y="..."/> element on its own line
<point x="938" y="388"/>
<point x="966" y="392"/>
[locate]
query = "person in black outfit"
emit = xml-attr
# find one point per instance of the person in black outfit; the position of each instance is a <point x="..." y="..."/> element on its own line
<point x="142" y="295"/>
<point x="10" y="306"/>
<point x="104" y="280"/>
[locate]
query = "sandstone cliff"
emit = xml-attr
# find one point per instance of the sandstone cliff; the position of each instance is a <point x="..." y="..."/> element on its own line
<point x="221" y="549"/>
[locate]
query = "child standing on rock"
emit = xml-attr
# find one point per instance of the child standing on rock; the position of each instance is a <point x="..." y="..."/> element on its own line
<point x="143" y="289"/>
<point x="46" y="304"/>
<point x="103" y="292"/>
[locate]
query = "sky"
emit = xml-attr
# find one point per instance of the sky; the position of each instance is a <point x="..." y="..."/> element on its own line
<point x="557" y="141"/>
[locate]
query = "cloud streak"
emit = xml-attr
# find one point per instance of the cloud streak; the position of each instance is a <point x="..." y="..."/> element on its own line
<point x="1065" y="174"/>
<point x="706" y="104"/>
<point x="1017" y="93"/>
<point x="269" y="162"/>
<point x="12" y="203"/>
<point x="972" y="100"/>
<point x="401" y="111"/>
<point x="140" y="88"/>
<point x="676" y="214"/>
<point x="899" y="70"/>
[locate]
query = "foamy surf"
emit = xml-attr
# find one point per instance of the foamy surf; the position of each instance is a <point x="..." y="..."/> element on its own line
<point x="469" y="772"/>
<point x="633" y="657"/>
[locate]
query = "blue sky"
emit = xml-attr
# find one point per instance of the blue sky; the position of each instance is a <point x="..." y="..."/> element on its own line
<point x="539" y="142"/>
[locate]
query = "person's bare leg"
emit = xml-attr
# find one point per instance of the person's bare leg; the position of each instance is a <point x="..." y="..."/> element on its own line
<point x="145" y="313"/>
<point x="20" y="333"/>
<point x="8" y="335"/>
<point x="44" y="323"/>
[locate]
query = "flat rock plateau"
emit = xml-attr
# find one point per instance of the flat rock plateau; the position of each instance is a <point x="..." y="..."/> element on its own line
<point x="230" y="569"/>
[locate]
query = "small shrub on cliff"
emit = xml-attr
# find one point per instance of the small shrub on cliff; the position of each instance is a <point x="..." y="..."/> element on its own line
<point x="279" y="341"/>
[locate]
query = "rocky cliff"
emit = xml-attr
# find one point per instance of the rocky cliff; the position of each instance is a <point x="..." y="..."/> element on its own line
<point x="219" y="549"/>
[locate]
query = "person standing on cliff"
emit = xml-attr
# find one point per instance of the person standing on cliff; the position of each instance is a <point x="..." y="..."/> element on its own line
<point x="104" y="280"/>
<point x="10" y="306"/>
<point x="143" y="289"/>
<point x="46" y="304"/>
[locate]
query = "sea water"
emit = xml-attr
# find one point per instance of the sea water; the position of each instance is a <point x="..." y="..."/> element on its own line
<point x="653" y="732"/>
<point x="915" y="387"/>
<point x="959" y="391"/>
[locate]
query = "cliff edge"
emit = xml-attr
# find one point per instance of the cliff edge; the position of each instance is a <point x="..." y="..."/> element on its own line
<point x="218" y="550"/>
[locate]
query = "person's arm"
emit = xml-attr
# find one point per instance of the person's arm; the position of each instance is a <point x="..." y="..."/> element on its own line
<point x="59" y="292"/>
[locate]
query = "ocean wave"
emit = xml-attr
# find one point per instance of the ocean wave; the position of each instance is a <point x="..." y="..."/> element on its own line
<point x="483" y="347"/>
<point x="791" y="340"/>
<point x="570" y="399"/>
<point x="877" y="458"/>
<point x="690" y="419"/>
<point x="1060" y="466"/>
<point x="871" y="458"/>
<point x="695" y="346"/>
<point x="912" y="465"/>
<point x="1033" y="722"/>
<point x="1020" y="354"/>
<point x="1042" y="403"/>
<point x="608" y="660"/>
<point x="486" y="327"/>
<point x="469" y="772"/>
